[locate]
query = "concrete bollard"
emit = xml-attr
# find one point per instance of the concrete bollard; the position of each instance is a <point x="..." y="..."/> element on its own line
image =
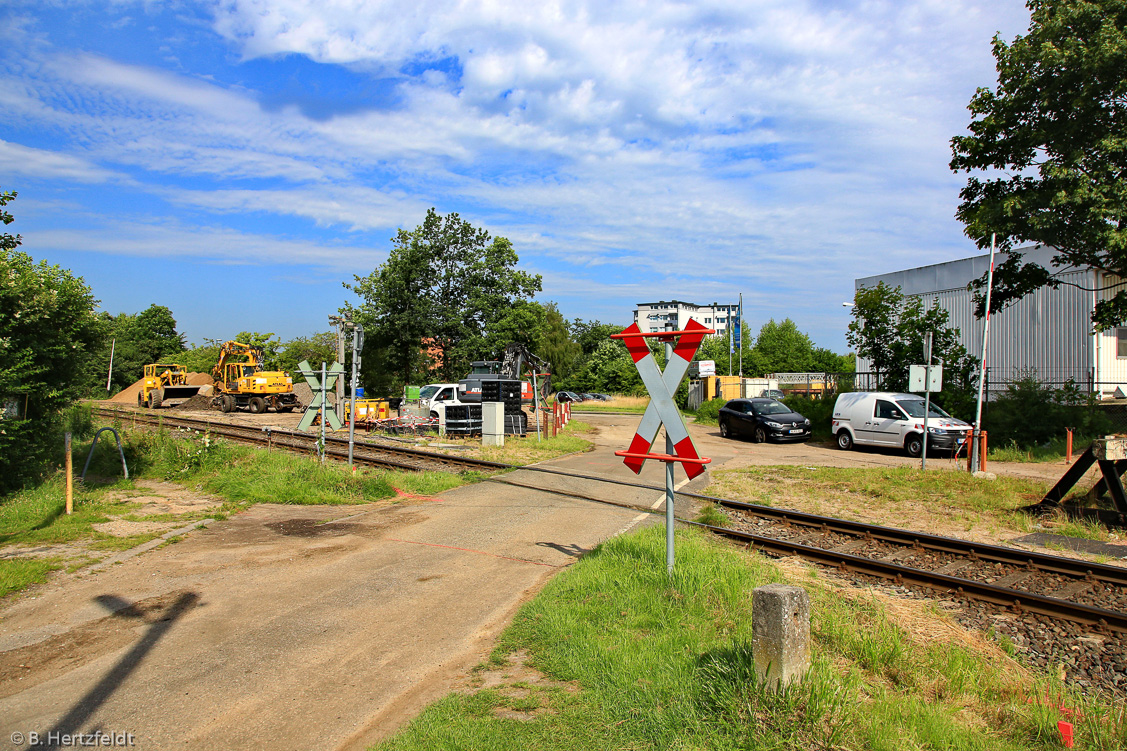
<point x="780" y="627"/>
<point x="492" y="424"/>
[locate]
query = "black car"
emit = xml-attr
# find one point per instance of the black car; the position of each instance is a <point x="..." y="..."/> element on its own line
<point x="568" y="396"/>
<point x="762" y="420"/>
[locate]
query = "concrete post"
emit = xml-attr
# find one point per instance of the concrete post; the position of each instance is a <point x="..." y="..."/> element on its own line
<point x="492" y="423"/>
<point x="780" y="626"/>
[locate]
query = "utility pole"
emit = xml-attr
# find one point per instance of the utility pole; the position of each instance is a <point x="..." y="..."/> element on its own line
<point x="339" y="326"/>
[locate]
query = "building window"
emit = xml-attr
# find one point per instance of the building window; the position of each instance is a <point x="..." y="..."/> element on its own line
<point x="1121" y="342"/>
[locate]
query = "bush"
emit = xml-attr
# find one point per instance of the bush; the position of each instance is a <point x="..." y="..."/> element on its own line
<point x="1031" y="414"/>
<point x="819" y="411"/>
<point x="709" y="412"/>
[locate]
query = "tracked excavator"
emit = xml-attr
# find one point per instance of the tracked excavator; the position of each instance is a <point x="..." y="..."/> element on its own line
<point x="243" y="384"/>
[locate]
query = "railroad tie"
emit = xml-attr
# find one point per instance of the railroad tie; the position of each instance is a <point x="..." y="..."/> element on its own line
<point x="1068" y="591"/>
<point x="849" y="547"/>
<point x="1017" y="577"/>
<point x="954" y="567"/>
<point x="900" y="554"/>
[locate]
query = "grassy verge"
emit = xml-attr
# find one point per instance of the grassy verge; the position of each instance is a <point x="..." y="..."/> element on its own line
<point x="636" y="404"/>
<point x="632" y="659"/>
<point x="938" y="501"/>
<point x="1053" y="451"/>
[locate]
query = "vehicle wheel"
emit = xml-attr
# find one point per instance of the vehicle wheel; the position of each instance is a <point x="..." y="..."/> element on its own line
<point x="725" y="431"/>
<point x="158" y="397"/>
<point x="434" y="415"/>
<point x="225" y="403"/>
<point x="140" y="400"/>
<point x="844" y="440"/>
<point x="760" y="435"/>
<point x="914" y="445"/>
<point x="257" y="405"/>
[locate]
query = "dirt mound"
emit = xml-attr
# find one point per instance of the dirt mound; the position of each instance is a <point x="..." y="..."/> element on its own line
<point x="199" y="401"/>
<point x="128" y="395"/>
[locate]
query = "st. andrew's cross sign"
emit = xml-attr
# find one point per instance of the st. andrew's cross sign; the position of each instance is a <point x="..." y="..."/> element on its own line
<point x="680" y="346"/>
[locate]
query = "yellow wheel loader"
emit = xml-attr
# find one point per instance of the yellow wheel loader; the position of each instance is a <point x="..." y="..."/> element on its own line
<point x="164" y="382"/>
<point x="245" y="385"/>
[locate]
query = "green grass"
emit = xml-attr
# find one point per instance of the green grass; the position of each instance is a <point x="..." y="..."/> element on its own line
<point x="666" y="663"/>
<point x="939" y="500"/>
<point x="17" y="573"/>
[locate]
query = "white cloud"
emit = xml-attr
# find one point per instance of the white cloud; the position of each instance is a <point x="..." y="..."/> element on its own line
<point x="159" y="239"/>
<point x="16" y="159"/>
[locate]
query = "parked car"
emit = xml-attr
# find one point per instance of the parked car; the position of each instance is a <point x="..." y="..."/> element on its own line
<point x="762" y="420"/>
<point x="568" y="396"/>
<point x="772" y="394"/>
<point x="881" y="418"/>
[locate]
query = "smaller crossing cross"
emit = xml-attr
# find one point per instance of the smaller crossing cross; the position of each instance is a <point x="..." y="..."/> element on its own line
<point x="319" y="404"/>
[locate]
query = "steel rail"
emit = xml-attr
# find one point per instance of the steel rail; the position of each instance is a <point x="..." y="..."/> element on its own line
<point x="975" y="550"/>
<point x="284" y="438"/>
<point x="1016" y="600"/>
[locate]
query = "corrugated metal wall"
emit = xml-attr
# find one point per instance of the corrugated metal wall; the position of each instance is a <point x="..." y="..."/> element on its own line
<point x="1048" y="331"/>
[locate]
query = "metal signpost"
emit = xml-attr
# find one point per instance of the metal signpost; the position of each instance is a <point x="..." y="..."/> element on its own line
<point x="925" y="378"/>
<point x="663" y="411"/>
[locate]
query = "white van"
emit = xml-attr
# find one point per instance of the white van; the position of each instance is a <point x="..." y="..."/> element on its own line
<point x="881" y="418"/>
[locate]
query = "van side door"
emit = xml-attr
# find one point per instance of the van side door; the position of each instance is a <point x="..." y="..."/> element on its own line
<point x="887" y="426"/>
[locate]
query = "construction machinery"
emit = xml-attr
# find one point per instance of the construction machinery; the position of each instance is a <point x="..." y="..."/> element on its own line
<point x="243" y="384"/>
<point x="511" y="367"/>
<point x="164" y="382"/>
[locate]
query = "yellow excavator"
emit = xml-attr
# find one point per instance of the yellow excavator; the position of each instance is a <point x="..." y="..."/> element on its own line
<point x="245" y="385"/>
<point x="164" y="382"/>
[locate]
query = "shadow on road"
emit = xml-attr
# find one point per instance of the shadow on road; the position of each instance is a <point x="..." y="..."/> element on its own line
<point x="87" y="705"/>
<point x="572" y="550"/>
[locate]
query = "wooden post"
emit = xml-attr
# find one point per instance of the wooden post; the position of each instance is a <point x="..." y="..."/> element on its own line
<point x="70" y="477"/>
<point x="1068" y="447"/>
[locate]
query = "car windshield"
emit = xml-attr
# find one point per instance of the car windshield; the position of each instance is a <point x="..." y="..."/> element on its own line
<point x="772" y="408"/>
<point x="915" y="408"/>
<point x="426" y="392"/>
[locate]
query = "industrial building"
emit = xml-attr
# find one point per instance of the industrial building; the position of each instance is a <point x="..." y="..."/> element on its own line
<point x="655" y="316"/>
<point x="1048" y="331"/>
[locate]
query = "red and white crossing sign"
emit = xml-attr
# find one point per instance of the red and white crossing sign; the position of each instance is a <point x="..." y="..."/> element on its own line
<point x="662" y="386"/>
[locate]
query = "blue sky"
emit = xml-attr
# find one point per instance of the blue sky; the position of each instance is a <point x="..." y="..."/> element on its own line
<point x="237" y="160"/>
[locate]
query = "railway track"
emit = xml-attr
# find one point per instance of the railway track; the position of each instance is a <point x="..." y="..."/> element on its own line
<point x="365" y="453"/>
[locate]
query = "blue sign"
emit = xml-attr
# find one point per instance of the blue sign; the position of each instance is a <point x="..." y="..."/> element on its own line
<point x="737" y="331"/>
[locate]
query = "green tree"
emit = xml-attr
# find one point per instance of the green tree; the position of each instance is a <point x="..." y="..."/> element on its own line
<point x="1052" y="138"/>
<point x="556" y="345"/>
<point x="48" y="332"/>
<point x="782" y="348"/>
<point x="889" y="331"/>
<point x="315" y="349"/>
<point x="444" y="286"/>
